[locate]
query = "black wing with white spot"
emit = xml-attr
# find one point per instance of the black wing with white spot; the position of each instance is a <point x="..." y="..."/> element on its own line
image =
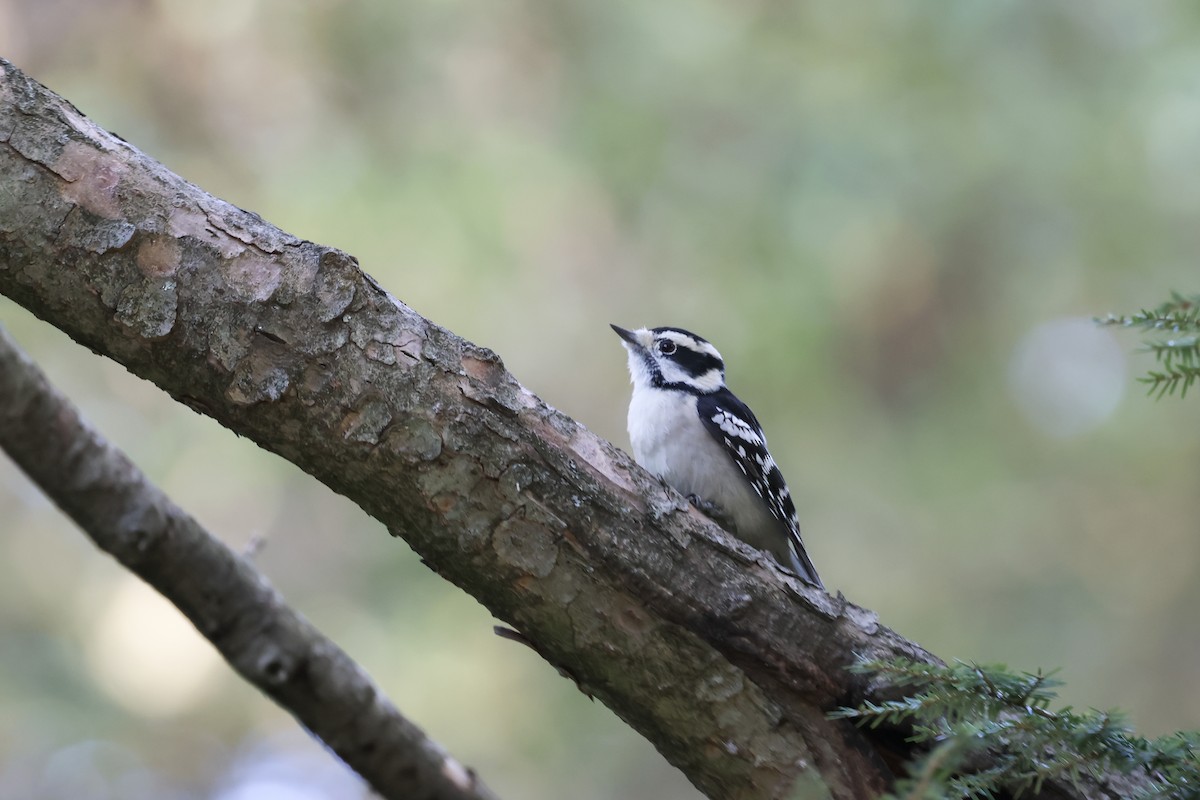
<point x="733" y="424"/>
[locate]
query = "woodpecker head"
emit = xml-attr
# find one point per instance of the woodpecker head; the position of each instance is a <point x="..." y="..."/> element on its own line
<point x="672" y="358"/>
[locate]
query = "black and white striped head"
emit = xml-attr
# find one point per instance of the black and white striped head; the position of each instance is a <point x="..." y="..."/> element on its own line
<point x="672" y="358"/>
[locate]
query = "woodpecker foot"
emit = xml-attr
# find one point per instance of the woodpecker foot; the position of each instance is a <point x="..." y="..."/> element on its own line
<point x="712" y="511"/>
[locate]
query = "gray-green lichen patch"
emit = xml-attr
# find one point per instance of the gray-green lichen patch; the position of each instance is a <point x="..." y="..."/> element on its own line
<point x="148" y="307"/>
<point x="227" y="343"/>
<point x="719" y="685"/>
<point x="529" y="547"/>
<point x="365" y="423"/>
<point x="83" y="230"/>
<point x="5" y="97"/>
<point x="337" y="280"/>
<point x="516" y="479"/>
<point x="381" y="352"/>
<point x="18" y="184"/>
<point x="560" y="588"/>
<point x="588" y="627"/>
<point x="473" y="530"/>
<point x="414" y="438"/>
<point x="664" y="504"/>
<point x="385" y="340"/>
<point x="37" y="140"/>
<point x="302" y="264"/>
<point x="447" y="488"/>
<point x="258" y="378"/>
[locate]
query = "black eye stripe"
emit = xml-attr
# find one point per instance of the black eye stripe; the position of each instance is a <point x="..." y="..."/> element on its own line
<point x="678" y="351"/>
<point x="695" y="363"/>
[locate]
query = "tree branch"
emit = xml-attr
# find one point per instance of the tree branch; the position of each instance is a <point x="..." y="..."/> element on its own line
<point x="228" y="601"/>
<point x="725" y="663"/>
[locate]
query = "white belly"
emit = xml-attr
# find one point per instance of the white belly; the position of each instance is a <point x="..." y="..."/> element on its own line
<point x="671" y="442"/>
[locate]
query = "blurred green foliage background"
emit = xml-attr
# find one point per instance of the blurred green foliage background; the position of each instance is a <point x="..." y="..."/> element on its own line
<point x="894" y="219"/>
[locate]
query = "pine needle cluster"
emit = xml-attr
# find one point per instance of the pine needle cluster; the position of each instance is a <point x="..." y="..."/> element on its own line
<point x="1176" y="346"/>
<point x="959" y="711"/>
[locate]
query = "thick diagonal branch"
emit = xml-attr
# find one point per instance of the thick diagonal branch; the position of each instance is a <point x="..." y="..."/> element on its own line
<point x="726" y="664"/>
<point x="227" y="600"/>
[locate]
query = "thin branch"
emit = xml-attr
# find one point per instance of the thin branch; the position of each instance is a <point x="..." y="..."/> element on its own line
<point x="228" y="601"/>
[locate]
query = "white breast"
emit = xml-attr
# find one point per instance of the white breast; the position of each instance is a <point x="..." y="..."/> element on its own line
<point x="671" y="442"/>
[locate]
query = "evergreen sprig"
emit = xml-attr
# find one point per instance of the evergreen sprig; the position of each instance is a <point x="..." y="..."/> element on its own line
<point x="1178" y="355"/>
<point x="961" y="709"/>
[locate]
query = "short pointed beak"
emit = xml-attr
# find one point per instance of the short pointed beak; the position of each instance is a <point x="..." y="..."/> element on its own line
<point x="628" y="336"/>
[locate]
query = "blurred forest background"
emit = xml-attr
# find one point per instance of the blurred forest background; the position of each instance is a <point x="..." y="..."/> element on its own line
<point x="894" y="219"/>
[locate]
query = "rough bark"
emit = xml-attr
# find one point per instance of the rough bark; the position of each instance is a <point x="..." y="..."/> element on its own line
<point x="228" y="601"/>
<point x="721" y="660"/>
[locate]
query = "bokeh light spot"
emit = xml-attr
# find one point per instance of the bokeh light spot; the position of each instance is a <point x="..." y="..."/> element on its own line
<point x="146" y="656"/>
<point x="1067" y="376"/>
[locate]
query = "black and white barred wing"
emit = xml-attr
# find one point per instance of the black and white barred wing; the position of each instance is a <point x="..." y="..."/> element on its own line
<point x="733" y="424"/>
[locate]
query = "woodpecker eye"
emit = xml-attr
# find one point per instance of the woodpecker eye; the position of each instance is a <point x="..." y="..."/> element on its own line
<point x="667" y="347"/>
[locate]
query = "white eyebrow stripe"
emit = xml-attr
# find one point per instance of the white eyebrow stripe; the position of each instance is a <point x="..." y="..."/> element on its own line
<point x="683" y="340"/>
